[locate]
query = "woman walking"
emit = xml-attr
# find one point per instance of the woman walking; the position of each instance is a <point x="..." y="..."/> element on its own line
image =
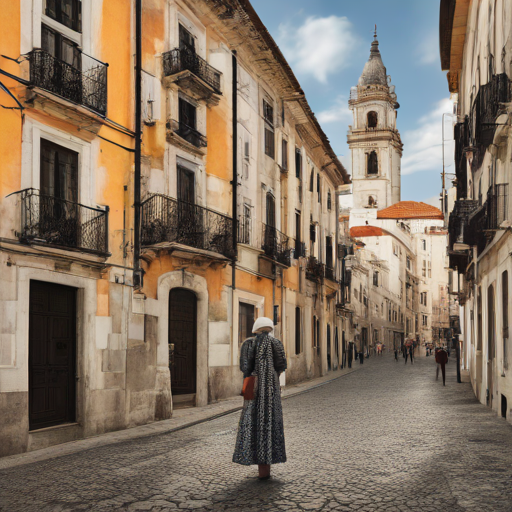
<point x="260" y="438"/>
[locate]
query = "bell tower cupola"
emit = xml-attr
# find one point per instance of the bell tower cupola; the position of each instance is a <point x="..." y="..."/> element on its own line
<point x="373" y="139"/>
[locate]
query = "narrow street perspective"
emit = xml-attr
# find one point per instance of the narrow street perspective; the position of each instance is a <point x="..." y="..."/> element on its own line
<point x="388" y="437"/>
<point x="255" y="255"/>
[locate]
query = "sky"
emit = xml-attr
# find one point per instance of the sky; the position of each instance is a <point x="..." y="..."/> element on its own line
<point x="327" y="43"/>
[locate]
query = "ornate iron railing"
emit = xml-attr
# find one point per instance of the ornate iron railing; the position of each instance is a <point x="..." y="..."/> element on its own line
<point x="314" y="270"/>
<point x="63" y="223"/>
<point x="276" y="245"/>
<point x="187" y="133"/>
<point x="461" y="136"/>
<point x="458" y="226"/>
<point x="165" y="219"/>
<point x="85" y="86"/>
<point x="184" y="59"/>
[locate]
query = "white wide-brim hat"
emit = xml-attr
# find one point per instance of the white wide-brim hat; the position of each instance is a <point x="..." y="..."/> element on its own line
<point x="262" y="321"/>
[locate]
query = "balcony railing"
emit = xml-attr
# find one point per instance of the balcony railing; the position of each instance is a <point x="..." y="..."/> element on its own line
<point x="187" y="133"/>
<point x="458" y="227"/>
<point x="165" y="219"/>
<point x="276" y="245"/>
<point x="184" y="59"/>
<point x="58" y="222"/>
<point x="86" y="86"/>
<point x="314" y="270"/>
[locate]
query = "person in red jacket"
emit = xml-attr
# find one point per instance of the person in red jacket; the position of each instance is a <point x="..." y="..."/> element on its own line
<point x="441" y="360"/>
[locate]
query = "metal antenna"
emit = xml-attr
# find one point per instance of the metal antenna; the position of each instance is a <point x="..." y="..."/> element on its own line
<point x="375" y="34"/>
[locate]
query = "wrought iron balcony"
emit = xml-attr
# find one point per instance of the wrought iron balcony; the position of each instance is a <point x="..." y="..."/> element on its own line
<point x="458" y="226"/>
<point x="167" y="220"/>
<point x="187" y="133"/>
<point x="56" y="222"/>
<point x="314" y="270"/>
<point x="276" y="245"/>
<point x="183" y="59"/>
<point x="86" y="86"/>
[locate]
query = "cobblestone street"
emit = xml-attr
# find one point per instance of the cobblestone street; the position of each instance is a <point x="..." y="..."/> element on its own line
<point x="385" y="438"/>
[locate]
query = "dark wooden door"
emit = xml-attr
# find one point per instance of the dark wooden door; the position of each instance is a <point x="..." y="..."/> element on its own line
<point x="52" y="354"/>
<point x="182" y="341"/>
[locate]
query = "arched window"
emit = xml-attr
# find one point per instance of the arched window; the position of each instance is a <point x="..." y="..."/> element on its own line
<point x="373" y="164"/>
<point x="372" y="119"/>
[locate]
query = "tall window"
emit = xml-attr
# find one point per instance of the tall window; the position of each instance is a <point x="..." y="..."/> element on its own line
<point x="271" y="210"/>
<point x="479" y="320"/>
<point x="298" y="347"/>
<point x="329" y="200"/>
<point x="59" y="171"/>
<point x="67" y="12"/>
<point x="373" y="164"/>
<point x="328" y="252"/>
<point x="186" y="185"/>
<point x="372" y="119"/>
<point x="187" y="113"/>
<point x="375" y="279"/>
<point x="318" y="188"/>
<point x="424" y="269"/>
<point x="491" y="327"/>
<point x="504" y="323"/>
<point x="268" y="116"/>
<point x="424" y="244"/>
<point x="187" y="40"/>
<point x="312" y="181"/>
<point x="298" y="241"/>
<point x="247" y="155"/>
<point x="61" y="48"/>
<point x="245" y="321"/>
<point x="298" y="164"/>
<point x="314" y="332"/>
<point x="284" y="154"/>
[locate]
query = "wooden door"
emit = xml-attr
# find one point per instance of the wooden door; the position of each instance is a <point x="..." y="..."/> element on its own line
<point x="52" y="354"/>
<point x="182" y="341"/>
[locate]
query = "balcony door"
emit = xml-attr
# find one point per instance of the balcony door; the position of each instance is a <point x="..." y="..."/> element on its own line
<point x="58" y="209"/>
<point x="270" y="242"/>
<point x="190" y="223"/>
<point x="187" y="40"/>
<point x="52" y="354"/>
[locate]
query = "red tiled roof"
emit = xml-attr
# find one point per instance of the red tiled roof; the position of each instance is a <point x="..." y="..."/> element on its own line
<point x="410" y="210"/>
<point x="358" y="231"/>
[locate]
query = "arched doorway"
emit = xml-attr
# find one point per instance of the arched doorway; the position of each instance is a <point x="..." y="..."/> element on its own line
<point x="183" y="341"/>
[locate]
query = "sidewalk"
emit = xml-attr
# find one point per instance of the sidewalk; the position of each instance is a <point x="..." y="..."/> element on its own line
<point x="181" y="418"/>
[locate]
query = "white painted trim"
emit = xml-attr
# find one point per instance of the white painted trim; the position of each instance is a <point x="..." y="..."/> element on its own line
<point x="72" y="35"/>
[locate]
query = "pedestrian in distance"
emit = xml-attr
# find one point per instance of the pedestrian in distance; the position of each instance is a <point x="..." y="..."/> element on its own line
<point x="406" y="354"/>
<point x="350" y="357"/>
<point x="411" y="352"/>
<point x="396" y="355"/>
<point x="260" y="438"/>
<point x="441" y="360"/>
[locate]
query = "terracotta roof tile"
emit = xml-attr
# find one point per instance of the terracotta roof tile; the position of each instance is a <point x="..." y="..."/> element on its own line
<point x="410" y="210"/>
<point x="358" y="231"/>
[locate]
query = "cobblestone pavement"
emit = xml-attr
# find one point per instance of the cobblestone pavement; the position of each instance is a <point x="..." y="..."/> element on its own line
<point x="386" y="438"/>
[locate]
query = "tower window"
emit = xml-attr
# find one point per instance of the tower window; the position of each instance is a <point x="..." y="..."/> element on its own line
<point x="372" y="119"/>
<point x="373" y="164"/>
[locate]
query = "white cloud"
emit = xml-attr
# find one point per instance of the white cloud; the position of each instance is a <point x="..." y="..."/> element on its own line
<point x="320" y="46"/>
<point x="428" y="49"/>
<point x="423" y="146"/>
<point x="338" y="113"/>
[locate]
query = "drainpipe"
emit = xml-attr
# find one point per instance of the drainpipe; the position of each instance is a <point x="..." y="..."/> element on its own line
<point x="234" y="182"/>
<point x="137" y="272"/>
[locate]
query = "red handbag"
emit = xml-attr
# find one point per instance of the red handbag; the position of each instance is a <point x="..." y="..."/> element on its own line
<point x="250" y="387"/>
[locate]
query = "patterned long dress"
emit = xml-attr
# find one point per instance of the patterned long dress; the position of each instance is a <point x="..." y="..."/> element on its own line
<point x="260" y="438"/>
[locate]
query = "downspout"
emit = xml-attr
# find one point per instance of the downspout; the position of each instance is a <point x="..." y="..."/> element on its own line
<point x="234" y="182"/>
<point x="137" y="272"/>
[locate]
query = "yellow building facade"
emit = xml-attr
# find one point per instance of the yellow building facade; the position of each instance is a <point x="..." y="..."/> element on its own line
<point x="132" y="274"/>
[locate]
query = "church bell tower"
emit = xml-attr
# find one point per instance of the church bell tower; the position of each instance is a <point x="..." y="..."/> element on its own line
<point x="374" y="141"/>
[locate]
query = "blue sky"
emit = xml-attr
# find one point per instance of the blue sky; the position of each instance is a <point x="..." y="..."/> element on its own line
<point x="327" y="43"/>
